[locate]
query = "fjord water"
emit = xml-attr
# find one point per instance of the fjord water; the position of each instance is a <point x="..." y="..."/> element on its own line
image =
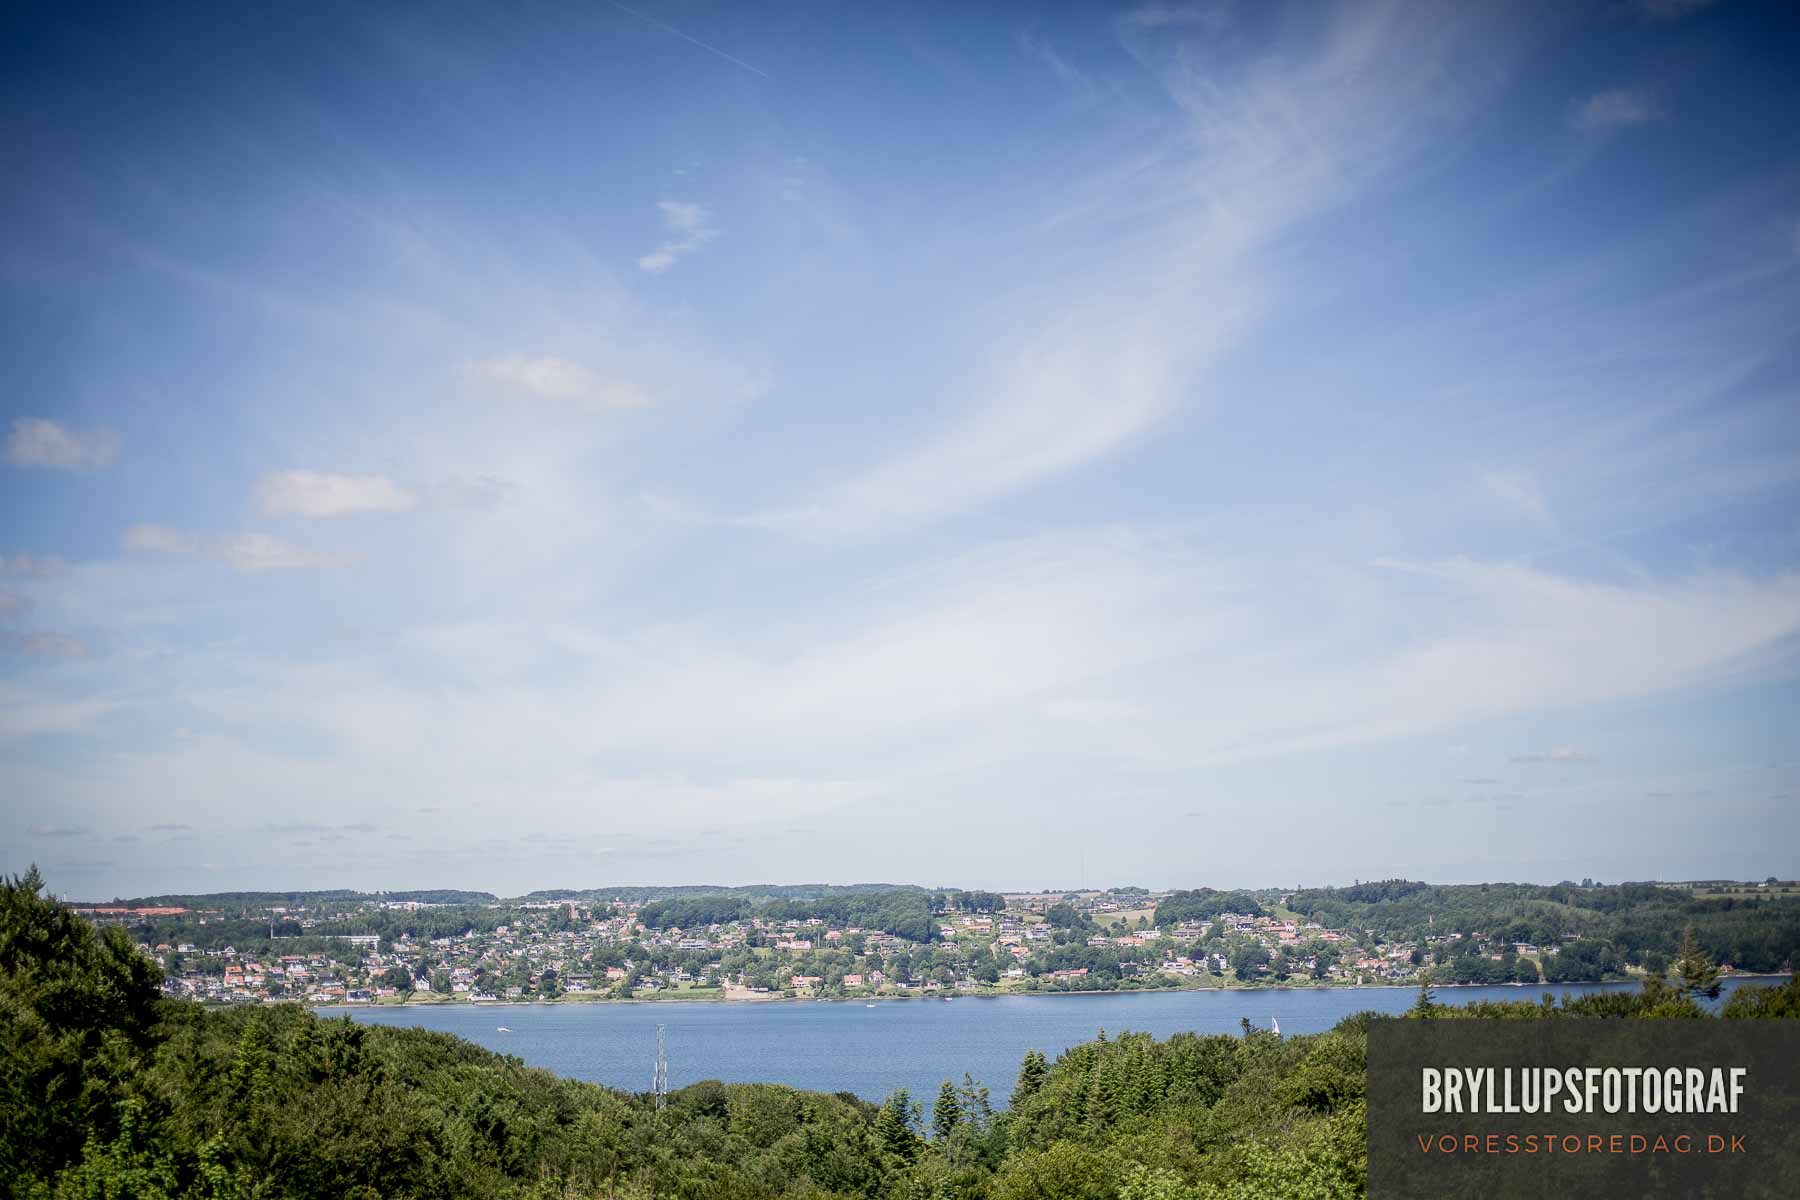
<point x="847" y="1046"/>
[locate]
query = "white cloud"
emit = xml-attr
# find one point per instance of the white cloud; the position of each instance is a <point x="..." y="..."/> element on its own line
<point x="1086" y="386"/>
<point x="691" y="226"/>
<point x="998" y="675"/>
<point x="160" y="539"/>
<point x="1615" y="109"/>
<point x="559" y="379"/>
<point x="1518" y="491"/>
<point x="1156" y="16"/>
<point x="482" y="492"/>
<point x="244" y="551"/>
<point x="315" y="494"/>
<point x="260" y="552"/>
<point x="1560" y="755"/>
<point x="37" y="442"/>
<point x="29" y="713"/>
<point x="1139" y="649"/>
<point x="1530" y="640"/>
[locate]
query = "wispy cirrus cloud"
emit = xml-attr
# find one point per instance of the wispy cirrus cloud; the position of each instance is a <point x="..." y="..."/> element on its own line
<point x="1015" y="642"/>
<point x="40" y="442"/>
<point x="243" y="551"/>
<point x="58" y="831"/>
<point x="1122" y="342"/>
<point x="1617" y="108"/>
<point x="690" y="227"/>
<point x="319" y="494"/>
<point x="1157" y="16"/>
<point x="482" y="492"/>
<point x="28" y="713"/>
<point x="550" y="378"/>
<point x="1518" y="491"/>
<point x="313" y="827"/>
<point x="690" y="39"/>
<point x="1035" y="44"/>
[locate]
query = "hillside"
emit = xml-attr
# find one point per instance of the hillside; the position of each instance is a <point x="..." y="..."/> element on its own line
<point x="109" y="1090"/>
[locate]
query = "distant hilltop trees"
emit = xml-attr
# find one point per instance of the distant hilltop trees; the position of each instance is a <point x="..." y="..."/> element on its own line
<point x="1203" y="904"/>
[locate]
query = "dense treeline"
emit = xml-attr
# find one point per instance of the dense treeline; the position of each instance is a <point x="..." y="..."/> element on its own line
<point x="332" y="898"/>
<point x="644" y="894"/>
<point x="689" y="912"/>
<point x="108" y="1091"/>
<point x="903" y="913"/>
<point x="343" y="898"/>
<point x="285" y="936"/>
<point x="974" y="902"/>
<point x="1380" y="890"/>
<point x="1203" y="904"/>
<point x="1601" y="929"/>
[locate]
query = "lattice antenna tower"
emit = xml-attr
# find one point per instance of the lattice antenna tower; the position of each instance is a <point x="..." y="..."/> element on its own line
<point x="659" y="1086"/>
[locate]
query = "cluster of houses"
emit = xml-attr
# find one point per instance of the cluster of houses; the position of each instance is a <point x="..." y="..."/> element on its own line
<point x="578" y="950"/>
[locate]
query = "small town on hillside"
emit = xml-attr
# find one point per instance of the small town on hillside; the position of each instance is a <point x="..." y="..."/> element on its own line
<point x="378" y="949"/>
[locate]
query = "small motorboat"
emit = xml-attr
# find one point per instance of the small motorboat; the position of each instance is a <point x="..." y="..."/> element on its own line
<point x="502" y="1029"/>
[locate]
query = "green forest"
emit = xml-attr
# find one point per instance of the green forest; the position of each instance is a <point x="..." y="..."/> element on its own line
<point x="903" y="912"/>
<point x="112" y="1092"/>
<point x="1601" y="928"/>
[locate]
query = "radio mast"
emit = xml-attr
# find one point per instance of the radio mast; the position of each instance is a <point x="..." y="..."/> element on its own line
<point x="659" y="1086"/>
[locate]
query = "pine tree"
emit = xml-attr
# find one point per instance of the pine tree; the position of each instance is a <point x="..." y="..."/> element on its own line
<point x="1699" y="974"/>
<point x="1426" y="1005"/>
<point x="248" y="1078"/>
<point x="1031" y="1077"/>
<point x="973" y="1099"/>
<point x="1103" y="1094"/>
<point x="894" y="1127"/>
<point x="946" y="1114"/>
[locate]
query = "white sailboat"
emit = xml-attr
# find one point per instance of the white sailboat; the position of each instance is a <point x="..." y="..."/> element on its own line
<point x="1276" y="1023"/>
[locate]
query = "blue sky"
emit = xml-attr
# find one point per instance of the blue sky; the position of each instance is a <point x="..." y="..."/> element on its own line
<point x="542" y="445"/>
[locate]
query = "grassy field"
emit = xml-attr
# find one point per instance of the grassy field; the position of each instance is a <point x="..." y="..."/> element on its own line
<point x="689" y="992"/>
<point x="1123" y="917"/>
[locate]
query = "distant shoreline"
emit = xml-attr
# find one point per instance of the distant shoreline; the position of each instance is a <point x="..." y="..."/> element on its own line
<point x="1332" y="987"/>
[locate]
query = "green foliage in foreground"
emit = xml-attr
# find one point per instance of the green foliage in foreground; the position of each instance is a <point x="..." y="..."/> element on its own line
<point x="108" y="1092"/>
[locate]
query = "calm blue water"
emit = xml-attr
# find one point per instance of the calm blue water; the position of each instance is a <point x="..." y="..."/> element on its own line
<point x="843" y="1046"/>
